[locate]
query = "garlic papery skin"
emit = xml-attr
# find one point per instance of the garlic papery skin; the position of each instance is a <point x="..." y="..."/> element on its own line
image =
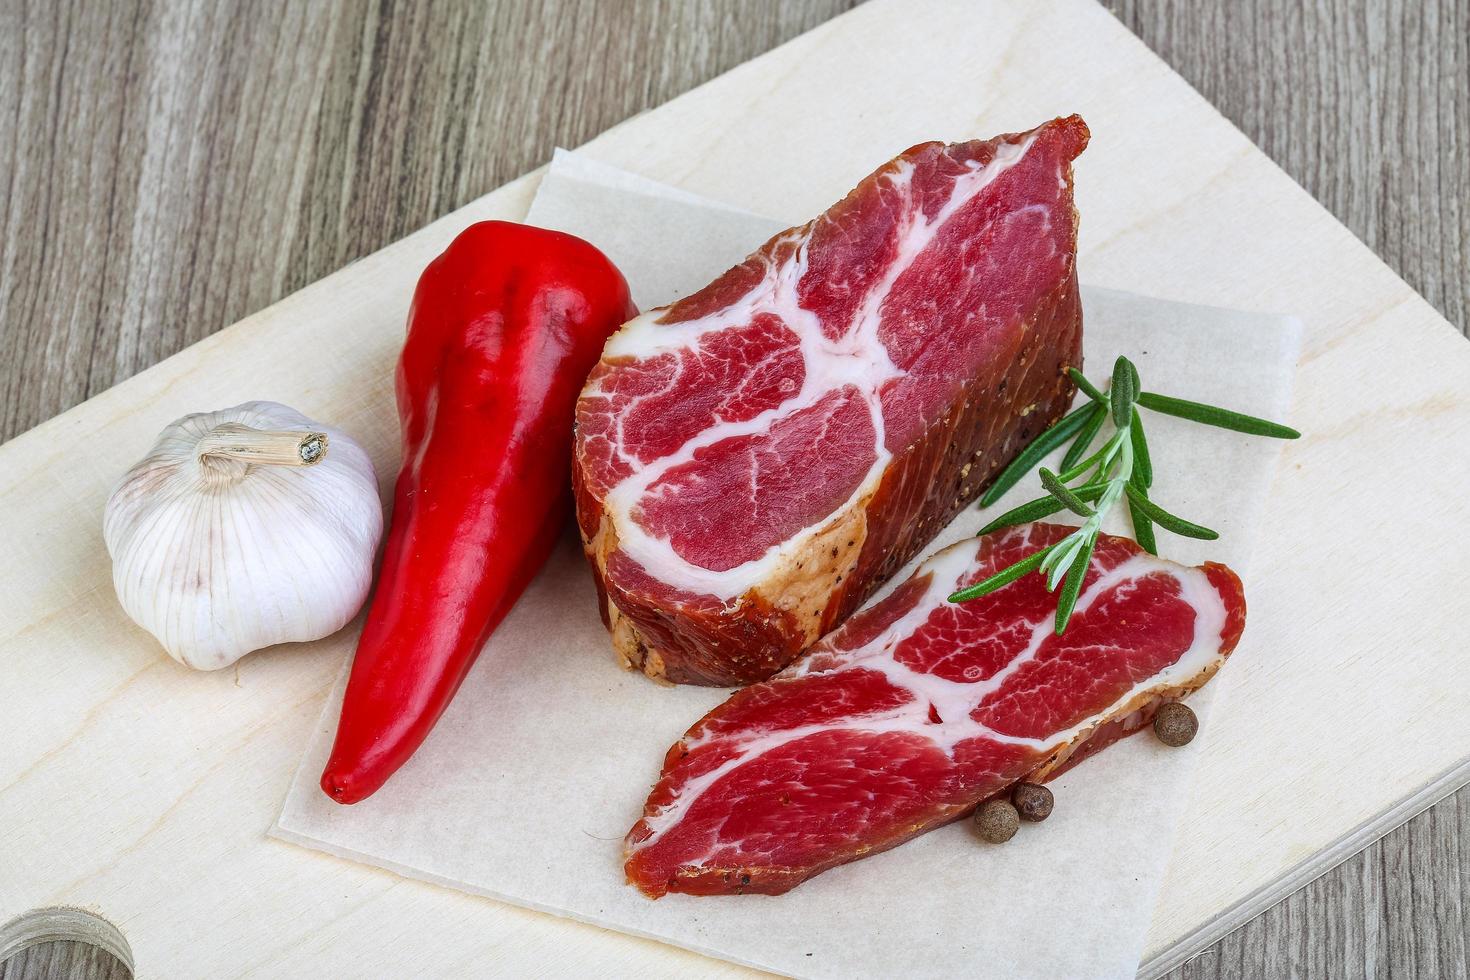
<point x="241" y="529"/>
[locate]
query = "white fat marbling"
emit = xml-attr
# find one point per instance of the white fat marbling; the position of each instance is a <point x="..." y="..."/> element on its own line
<point x="953" y="700"/>
<point x="857" y="358"/>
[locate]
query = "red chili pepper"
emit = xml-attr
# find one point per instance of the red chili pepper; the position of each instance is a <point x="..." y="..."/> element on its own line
<point x="504" y="328"/>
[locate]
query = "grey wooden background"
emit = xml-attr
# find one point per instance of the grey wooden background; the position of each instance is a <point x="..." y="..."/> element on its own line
<point x="170" y="166"/>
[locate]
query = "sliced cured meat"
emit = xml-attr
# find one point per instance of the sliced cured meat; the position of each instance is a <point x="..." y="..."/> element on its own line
<point x="917" y="709"/>
<point x="754" y="460"/>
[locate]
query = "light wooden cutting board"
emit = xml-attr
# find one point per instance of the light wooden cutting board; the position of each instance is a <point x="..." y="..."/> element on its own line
<point x="132" y="786"/>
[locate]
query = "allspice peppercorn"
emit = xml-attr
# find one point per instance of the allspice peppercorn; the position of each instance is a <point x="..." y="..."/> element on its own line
<point x="1175" y="723"/>
<point x="1032" y="801"/>
<point x="997" y="821"/>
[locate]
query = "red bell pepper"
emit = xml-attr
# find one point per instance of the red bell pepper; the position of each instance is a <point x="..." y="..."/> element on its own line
<point x="504" y="328"/>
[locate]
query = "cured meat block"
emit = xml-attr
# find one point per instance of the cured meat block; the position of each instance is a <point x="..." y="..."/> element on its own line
<point x="754" y="460"/>
<point x="917" y="709"/>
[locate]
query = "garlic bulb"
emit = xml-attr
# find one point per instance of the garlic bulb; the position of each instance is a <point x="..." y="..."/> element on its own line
<point x="244" y="528"/>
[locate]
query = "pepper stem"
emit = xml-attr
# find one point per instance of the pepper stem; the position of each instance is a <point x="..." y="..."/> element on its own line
<point x="232" y="440"/>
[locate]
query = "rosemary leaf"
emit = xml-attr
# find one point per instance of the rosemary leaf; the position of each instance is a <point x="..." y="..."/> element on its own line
<point x="1221" y="417"/>
<point x="1143" y="464"/>
<point x="1034" y="453"/>
<point x="1035" y="510"/>
<point x="1001" y="578"/>
<point x="1143" y="526"/>
<point x="1095" y="419"/>
<point x="1067" y="601"/>
<point x="1062" y="492"/>
<point x="1087" y="387"/>
<point x="1122" y="391"/>
<point x="1133" y="374"/>
<point x="1166" y="520"/>
<point x="1059" y="561"/>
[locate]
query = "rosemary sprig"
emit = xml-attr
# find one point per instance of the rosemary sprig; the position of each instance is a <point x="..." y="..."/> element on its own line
<point x="1124" y="474"/>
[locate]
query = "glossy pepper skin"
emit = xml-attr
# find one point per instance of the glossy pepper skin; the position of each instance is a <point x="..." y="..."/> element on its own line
<point x="504" y="328"/>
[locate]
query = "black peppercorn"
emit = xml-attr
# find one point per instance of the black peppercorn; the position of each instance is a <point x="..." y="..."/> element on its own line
<point x="997" y="821"/>
<point x="1033" y="802"/>
<point x="1175" y="724"/>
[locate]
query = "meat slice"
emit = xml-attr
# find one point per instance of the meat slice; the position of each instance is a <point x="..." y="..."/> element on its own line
<point x="754" y="460"/>
<point x="917" y="709"/>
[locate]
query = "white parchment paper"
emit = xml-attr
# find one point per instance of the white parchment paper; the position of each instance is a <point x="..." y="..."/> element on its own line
<point x="525" y="789"/>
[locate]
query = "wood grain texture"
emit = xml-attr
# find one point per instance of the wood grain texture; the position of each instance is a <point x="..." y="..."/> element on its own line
<point x="1397" y="909"/>
<point x="1366" y="103"/>
<point x="171" y="167"/>
<point x="1367" y="106"/>
<point x="67" y="960"/>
